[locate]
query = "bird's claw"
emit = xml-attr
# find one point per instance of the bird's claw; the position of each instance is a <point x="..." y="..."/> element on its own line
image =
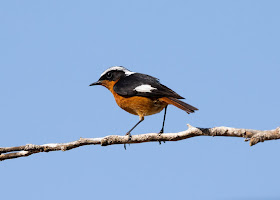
<point x="129" y="136"/>
<point x="159" y="134"/>
<point x="129" y="139"/>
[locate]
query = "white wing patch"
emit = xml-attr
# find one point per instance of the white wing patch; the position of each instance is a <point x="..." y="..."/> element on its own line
<point x="144" y="88"/>
<point x="119" y="68"/>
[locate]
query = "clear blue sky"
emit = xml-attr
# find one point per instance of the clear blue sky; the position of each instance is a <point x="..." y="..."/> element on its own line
<point x="222" y="56"/>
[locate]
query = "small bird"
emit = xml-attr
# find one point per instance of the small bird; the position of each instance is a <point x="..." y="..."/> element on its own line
<point x="140" y="94"/>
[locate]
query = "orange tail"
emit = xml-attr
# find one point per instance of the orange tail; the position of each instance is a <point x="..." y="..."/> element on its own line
<point x="179" y="104"/>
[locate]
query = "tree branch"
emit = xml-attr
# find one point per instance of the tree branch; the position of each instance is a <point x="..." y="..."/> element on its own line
<point x="254" y="136"/>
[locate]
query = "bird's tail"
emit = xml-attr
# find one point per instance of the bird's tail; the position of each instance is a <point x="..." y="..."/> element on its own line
<point x="179" y="104"/>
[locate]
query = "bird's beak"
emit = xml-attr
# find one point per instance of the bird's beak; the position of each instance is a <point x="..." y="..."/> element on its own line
<point x="96" y="83"/>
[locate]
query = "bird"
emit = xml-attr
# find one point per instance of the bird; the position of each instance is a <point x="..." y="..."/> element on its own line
<point x="140" y="94"/>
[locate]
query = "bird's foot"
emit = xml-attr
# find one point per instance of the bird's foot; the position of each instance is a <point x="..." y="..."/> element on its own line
<point x="129" y="138"/>
<point x="159" y="134"/>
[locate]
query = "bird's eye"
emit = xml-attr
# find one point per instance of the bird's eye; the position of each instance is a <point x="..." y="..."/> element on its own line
<point x="109" y="75"/>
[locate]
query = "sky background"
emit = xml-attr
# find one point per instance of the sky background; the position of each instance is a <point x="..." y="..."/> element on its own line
<point x="222" y="56"/>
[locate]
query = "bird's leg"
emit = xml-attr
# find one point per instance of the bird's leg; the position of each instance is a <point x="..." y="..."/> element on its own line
<point x="128" y="133"/>
<point x="141" y="119"/>
<point x="162" y="128"/>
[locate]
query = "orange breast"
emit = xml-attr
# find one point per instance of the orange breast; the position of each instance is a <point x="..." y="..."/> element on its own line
<point x="136" y="105"/>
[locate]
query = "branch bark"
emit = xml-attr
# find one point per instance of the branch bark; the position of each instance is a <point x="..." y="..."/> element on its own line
<point x="254" y="136"/>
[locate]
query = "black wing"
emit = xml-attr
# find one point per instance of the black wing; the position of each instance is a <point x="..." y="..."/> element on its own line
<point x="126" y="87"/>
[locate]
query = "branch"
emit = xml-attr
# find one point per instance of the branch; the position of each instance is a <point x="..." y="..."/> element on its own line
<point x="254" y="136"/>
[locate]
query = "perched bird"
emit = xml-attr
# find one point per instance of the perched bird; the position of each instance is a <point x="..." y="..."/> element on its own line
<point x="140" y="94"/>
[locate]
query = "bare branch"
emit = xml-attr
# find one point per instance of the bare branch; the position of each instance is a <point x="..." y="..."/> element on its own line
<point x="254" y="136"/>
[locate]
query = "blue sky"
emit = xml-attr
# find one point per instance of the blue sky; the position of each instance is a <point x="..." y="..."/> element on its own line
<point x="222" y="56"/>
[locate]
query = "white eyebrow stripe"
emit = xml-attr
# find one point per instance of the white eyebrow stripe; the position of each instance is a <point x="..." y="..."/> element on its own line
<point x="144" y="88"/>
<point x="126" y="71"/>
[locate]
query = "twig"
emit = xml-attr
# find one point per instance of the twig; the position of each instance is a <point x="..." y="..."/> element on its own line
<point x="254" y="136"/>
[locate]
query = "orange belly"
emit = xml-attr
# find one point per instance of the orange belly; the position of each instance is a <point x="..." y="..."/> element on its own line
<point x="136" y="105"/>
<point x="141" y="106"/>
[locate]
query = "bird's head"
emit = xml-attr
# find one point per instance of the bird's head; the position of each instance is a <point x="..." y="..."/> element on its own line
<point x="110" y="76"/>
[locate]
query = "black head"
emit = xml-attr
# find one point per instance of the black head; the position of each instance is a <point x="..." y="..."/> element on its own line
<point x="112" y="74"/>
